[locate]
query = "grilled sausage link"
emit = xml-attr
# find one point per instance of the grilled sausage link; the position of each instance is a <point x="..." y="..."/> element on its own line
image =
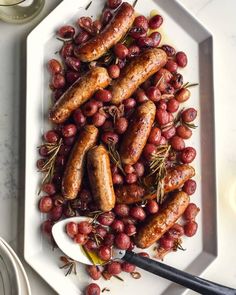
<point x="137" y="134"/>
<point x="175" y="179"/>
<point x="161" y="222"/>
<point x="136" y="72"/>
<point x="73" y="175"/>
<point x="129" y="194"/>
<point x="113" y="33"/>
<point x="100" y="178"/>
<point x="82" y="90"/>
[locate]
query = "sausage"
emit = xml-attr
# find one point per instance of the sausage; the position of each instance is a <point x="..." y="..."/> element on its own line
<point x="82" y="90"/>
<point x="162" y="221"/>
<point x="175" y="179"/>
<point x="136" y="72"/>
<point x="112" y="33"/>
<point x="137" y="133"/>
<point x="129" y="194"/>
<point x="73" y="175"/>
<point x="100" y="178"/>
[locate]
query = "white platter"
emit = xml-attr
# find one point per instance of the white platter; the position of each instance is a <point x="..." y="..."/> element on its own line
<point x="185" y="33"/>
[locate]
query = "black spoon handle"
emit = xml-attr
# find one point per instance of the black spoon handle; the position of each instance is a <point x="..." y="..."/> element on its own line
<point x="180" y="277"/>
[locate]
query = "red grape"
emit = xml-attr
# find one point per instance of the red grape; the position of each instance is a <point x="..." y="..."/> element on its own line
<point x="128" y="267"/>
<point x="155" y="22"/>
<point x="181" y="59"/>
<point x="122" y="241"/>
<point x="104" y="252"/>
<point x="93" y="289"/>
<point x="190" y="187"/>
<point x="114" y="268"/>
<point x="51" y="136"/>
<point x="190" y="228"/>
<point x="106" y="218"/>
<point x="54" y="66"/>
<point x="66" y="32"/>
<point x="85" y="227"/>
<point x="191" y="212"/>
<point x="121" y="210"/>
<point x="152" y="207"/>
<point x="80" y="239"/>
<point x="137" y="213"/>
<point x="114" y="71"/>
<point x="121" y="51"/>
<point x="71" y="229"/>
<point x="45" y="204"/>
<point x="94" y="272"/>
<point x="188" y="155"/>
<point x="69" y="130"/>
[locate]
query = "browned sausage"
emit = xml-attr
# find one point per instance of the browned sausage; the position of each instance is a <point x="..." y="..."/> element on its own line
<point x="136" y="72"/>
<point x="175" y="178"/>
<point x="129" y="194"/>
<point x="73" y="175"/>
<point x="100" y="178"/>
<point x="161" y="222"/>
<point x="82" y="90"/>
<point x="137" y="133"/>
<point x="113" y="33"/>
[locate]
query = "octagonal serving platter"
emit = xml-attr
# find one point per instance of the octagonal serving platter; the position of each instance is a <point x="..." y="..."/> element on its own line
<point x="184" y="32"/>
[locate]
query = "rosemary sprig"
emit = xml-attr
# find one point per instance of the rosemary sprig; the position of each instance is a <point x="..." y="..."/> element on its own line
<point x="107" y="58"/>
<point x="113" y="111"/>
<point x="87" y="7"/>
<point x="118" y="278"/>
<point x="157" y="163"/>
<point x="188" y="85"/>
<point x="178" y="120"/>
<point x="69" y="265"/>
<point x="157" y="167"/>
<point x="189" y="125"/>
<point x="178" y="245"/>
<point x="115" y="156"/>
<point x="105" y="290"/>
<point x="94" y="215"/>
<point x="178" y="117"/>
<point x="98" y="239"/>
<point x="49" y="165"/>
<point x="159" y="81"/>
<point x="135" y="3"/>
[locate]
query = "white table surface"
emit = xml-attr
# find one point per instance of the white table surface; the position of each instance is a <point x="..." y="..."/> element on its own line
<point x="219" y="17"/>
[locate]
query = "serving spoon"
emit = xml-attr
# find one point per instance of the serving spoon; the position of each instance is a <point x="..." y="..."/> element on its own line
<point x="187" y="280"/>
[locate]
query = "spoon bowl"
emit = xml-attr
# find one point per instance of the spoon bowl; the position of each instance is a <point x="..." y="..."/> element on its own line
<point x="66" y="244"/>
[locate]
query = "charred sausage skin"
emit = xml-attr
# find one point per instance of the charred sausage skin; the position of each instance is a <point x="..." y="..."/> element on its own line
<point x="161" y="222"/>
<point x="136" y="72"/>
<point x="113" y="33"/>
<point x="100" y="178"/>
<point x="73" y="175"/>
<point x="81" y="91"/>
<point x="137" y="134"/>
<point x="175" y="179"/>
